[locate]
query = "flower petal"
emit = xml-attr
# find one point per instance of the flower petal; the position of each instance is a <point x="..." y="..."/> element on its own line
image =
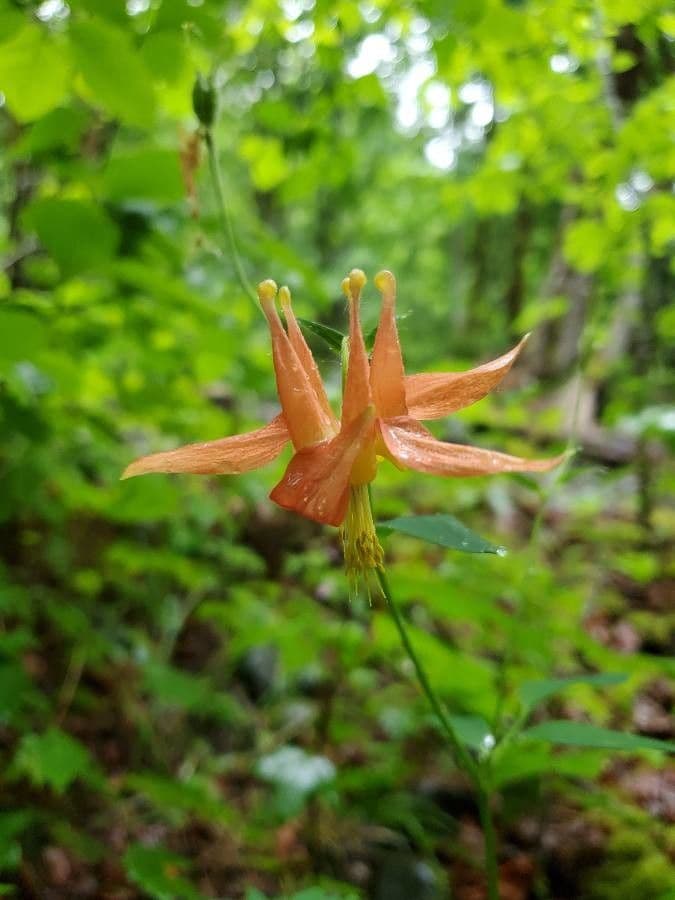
<point x="433" y="395"/>
<point x="307" y="422"/>
<point x="386" y="368"/>
<point x="412" y="445"/>
<point x="316" y="482"/>
<point x="356" y="395"/>
<point x="304" y="354"/>
<point x="226" y="456"/>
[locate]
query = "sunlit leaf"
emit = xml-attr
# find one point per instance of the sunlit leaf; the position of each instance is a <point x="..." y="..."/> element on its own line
<point x="22" y="334"/>
<point x="113" y="73"/>
<point x="34" y="72"/>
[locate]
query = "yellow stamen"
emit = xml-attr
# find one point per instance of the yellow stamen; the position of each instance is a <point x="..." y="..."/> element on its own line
<point x="362" y="551"/>
<point x="357" y="280"/>
<point x="385" y="282"/>
<point x="267" y="291"/>
<point x="284" y="297"/>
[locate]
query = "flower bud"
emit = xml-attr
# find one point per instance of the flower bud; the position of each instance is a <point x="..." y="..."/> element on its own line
<point x="204" y="100"/>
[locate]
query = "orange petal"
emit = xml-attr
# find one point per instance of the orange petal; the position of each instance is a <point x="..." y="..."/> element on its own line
<point x="227" y="456"/>
<point x="307" y="422"/>
<point x="412" y="445"/>
<point x="316" y="482"/>
<point x="304" y="354"/>
<point x="386" y="368"/>
<point x="356" y="395"/>
<point x="436" y="394"/>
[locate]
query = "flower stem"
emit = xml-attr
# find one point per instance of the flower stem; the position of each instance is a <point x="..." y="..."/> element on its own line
<point x="490" y="839"/>
<point x="459" y="752"/>
<point x="224" y="216"/>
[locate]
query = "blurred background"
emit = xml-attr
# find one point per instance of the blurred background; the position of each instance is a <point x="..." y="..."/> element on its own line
<point x="189" y="706"/>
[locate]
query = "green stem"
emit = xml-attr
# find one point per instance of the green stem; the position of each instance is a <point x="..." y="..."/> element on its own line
<point x="224" y="216"/>
<point x="459" y="751"/>
<point x="490" y="838"/>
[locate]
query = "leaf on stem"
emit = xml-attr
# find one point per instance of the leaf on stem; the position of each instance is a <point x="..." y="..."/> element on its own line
<point x="331" y="336"/>
<point x="473" y="731"/>
<point x="444" y="530"/>
<point x="583" y="734"/>
<point x="533" y="693"/>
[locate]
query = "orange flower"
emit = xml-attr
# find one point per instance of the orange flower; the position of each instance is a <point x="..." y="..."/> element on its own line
<point x="334" y="461"/>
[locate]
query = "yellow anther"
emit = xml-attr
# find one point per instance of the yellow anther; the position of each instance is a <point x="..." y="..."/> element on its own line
<point x="357" y="279"/>
<point x="284" y="297"/>
<point x="385" y="282"/>
<point x="267" y="291"/>
<point x="362" y="550"/>
<point x="345" y="287"/>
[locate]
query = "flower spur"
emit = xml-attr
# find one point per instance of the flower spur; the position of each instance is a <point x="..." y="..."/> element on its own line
<point x="334" y="461"/>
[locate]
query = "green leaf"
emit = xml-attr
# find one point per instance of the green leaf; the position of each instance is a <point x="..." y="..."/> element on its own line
<point x="513" y="765"/>
<point x="265" y="156"/>
<point x="473" y="731"/>
<point x="113" y="72"/>
<point x="77" y="233"/>
<point x="540" y="310"/>
<point x="146" y="174"/>
<point x="53" y="759"/>
<point x="331" y="336"/>
<point x="34" y="72"/>
<point x="194" y="797"/>
<point x="582" y="734"/>
<point x="16" y="689"/>
<point x="11" y="826"/>
<point x="22" y="335"/>
<point x="465" y="679"/>
<point x="158" y="872"/>
<point x="174" y="688"/>
<point x="534" y="692"/>
<point x="444" y="530"/>
<point x="585" y="244"/>
<point x="60" y="128"/>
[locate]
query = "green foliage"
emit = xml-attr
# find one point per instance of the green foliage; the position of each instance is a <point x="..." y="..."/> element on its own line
<point x="444" y="530"/>
<point x="54" y="759"/>
<point x="331" y="336"/>
<point x="114" y="76"/>
<point x="583" y="734"/>
<point x="532" y="693"/>
<point x="181" y="800"/>
<point x="158" y="873"/>
<point x="187" y="702"/>
<point x="30" y="49"/>
<point x="12" y="824"/>
<point x="77" y="233"/>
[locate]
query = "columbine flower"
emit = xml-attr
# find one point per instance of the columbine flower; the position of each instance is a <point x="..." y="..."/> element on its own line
<point x="334" y="461"/>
